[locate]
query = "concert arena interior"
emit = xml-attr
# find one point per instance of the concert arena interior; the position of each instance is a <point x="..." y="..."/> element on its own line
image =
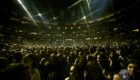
<point x="69" y="40"/>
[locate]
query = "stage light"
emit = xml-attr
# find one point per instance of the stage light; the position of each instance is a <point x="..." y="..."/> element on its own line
<point x="39" y="14"/>
<point x="19" y="1"/>
<point x="26" y="11"/>
<point x="84" y="17"/>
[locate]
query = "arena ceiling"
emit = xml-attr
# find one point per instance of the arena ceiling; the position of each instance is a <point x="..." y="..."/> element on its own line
<point x="63" y="12"/>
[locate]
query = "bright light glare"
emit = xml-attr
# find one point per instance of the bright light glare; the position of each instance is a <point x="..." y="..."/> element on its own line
<point x="39" y="14"/>
<point x="74" y="4"/>
<point x="84" y="17"/>
<point x="54" y="18"/>
<point x="26" y="10"/>
<point x="52" y="14"/>
<point x="20" y="2"/>
<point x="88" y="15"/>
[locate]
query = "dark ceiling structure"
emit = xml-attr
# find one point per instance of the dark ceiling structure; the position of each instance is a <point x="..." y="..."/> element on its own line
<point x="94" y="18"/>
<point x="65" y="11"/>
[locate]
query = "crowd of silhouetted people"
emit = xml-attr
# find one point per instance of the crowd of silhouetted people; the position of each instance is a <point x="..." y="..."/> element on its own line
<point x="90" y="61"/>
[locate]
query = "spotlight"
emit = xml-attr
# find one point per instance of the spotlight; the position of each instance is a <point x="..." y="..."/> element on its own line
<point x="19" y="1"/>
<point x="84" y="17"/>
<point x="39" y="14"/>
<point x="27" y="11"/>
